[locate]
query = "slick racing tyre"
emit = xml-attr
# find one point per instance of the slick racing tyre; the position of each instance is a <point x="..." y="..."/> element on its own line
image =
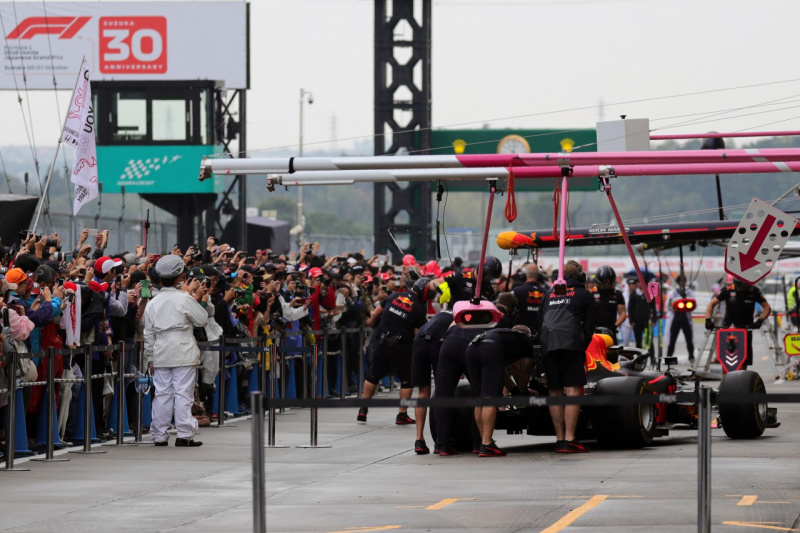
<point x="742" y="420"/>
<point x="624" y="426"/>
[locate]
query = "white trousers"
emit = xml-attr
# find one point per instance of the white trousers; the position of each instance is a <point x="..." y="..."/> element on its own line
<point x="174" y="394"/>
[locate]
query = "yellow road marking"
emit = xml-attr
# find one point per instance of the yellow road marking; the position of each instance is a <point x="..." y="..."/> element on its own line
<point x="367" y="528"/>
<point x="573" y="515"/>
<point x="748" y="500"/>
<point x="444" y="503"/>
<point x="759" y="524"/>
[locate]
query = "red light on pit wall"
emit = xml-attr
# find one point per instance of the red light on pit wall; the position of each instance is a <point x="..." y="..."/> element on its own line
<point x="684" y="305"/>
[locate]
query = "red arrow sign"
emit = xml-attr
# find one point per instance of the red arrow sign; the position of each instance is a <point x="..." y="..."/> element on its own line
<point x="748" y="260"/>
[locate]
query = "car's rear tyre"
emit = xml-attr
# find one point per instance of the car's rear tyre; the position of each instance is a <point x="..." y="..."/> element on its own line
<point x="624" y="426"/>
<point x="742" y="420"/>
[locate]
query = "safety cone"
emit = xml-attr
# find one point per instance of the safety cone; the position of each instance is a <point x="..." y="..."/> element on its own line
<point x="41" y="429"/>
<point x="77" y="434"/>
<point x="20" y="428"/>
<point x="252" y="379"/>
<point x="291" y="382"/>
<point x="215" y="407"/>
<point x="232" y="392"/>
<point x="112" y="415"/>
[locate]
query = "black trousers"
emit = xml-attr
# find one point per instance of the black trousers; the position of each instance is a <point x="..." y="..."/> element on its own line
<point x="452" y="364"/>
<point x="681" y="322"/>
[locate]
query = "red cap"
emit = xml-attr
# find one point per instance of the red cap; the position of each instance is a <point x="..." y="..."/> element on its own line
<point x="409" y="260"/>
<point x="315" y="272"/>
<point x="105" y="264"/>
<point x="385" y="276"/>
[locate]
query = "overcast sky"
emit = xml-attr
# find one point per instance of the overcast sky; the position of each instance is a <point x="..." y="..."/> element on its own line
<point x="511" y="63"/>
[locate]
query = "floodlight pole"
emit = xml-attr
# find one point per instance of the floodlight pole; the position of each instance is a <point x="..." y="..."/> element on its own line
<point x="304" y="96"/>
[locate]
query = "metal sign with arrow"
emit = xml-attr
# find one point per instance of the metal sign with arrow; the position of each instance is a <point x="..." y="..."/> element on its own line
<point x="758" y="241"/>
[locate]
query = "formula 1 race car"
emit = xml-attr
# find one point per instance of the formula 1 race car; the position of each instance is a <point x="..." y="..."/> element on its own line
<point x="618" y="370"/>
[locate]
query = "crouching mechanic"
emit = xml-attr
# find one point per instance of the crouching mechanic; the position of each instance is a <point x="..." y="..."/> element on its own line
<point x="399" y="317"/>
<point x="487" y="356"/>
<point x="568" y="323"/>
<point x="169" y="344"/>
<point x="424" y="359"/>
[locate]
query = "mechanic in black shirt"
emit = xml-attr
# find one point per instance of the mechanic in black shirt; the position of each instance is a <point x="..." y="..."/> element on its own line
<point x="401" y="315"/>
<point x="568" y="323"/>
<point x="460" y="286"/>
<point x="609" y="301"/>
<point x="529" y="295"/>
<point x="424" y="358"/>
<point x="487" y="357"/>
<point x="741" y="299"/>
<point x="452" y="365"/>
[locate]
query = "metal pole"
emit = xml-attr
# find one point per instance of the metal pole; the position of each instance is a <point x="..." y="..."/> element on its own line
<point x="120" y="395"/>
<point x="50" y="413"/>
<point x="284" y="370"/>
<point x="257" y="450"/>
<point x="221" y="388"/>
<point x="139" y="397"/>
<point x="704" y="462"/>
<point x="343" y="366"/>
<point x="12" y="405"/>
<point x="313" y="410"/>
<point x="362" y="335"/>
<point x="273" y="366"/>
<point x="324" y="364"/>
<point x="87" y="405"/>
<point x="305" y="365"/>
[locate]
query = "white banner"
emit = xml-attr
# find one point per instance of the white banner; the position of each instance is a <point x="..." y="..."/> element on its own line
<point x="125" y="41"/>
<point x="77" y="106"/>
<point x="84" y="167"/>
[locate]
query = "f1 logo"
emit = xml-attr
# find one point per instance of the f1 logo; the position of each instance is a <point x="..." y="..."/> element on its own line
<point x="133" y="45"/>
<point x="64" y="27"/>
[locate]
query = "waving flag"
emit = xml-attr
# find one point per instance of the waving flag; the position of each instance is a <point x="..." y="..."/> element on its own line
<point x="79" y="132"/>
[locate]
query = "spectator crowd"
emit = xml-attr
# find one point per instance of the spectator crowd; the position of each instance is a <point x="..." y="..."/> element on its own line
<point x="52" y="298"/>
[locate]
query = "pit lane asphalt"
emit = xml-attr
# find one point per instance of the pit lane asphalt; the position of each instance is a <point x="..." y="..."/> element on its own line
<point x="371" y="480"/>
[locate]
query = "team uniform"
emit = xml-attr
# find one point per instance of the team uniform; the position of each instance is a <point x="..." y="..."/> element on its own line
<point x="681" y="322"/>
<point x="452" y="364"/>
<point x="529" y="299"/>
<point x="426" y="346"/>
<point x="489" y="354"/>
<point x="739" y="310"/>
<point x="391" y="343"/>
<point x="607" y="308"/>
<point x="461" y="286"/>
<point x="567" y="327"/>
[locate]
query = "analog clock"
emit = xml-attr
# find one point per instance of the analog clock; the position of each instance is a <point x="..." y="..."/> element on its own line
<point x="513" y="144"/>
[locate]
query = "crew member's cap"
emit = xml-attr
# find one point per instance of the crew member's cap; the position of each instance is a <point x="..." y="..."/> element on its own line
<point x="105" y="264"/>
<point x="16" y="276"/>
<point x="197" y="273"/>
<point x="169" y="266"/>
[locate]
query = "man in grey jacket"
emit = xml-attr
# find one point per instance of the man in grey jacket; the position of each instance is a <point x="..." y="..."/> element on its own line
<point x="170" y="345"/>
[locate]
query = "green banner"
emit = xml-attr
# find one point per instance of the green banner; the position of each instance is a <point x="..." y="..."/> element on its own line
<point x="155" y="169"/>
<point x="488" y="141"/>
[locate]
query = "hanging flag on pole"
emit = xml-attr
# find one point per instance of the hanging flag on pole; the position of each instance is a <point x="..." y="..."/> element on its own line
<point x="79" y="132"/>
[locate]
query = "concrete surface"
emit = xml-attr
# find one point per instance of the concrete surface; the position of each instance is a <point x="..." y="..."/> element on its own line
<point x="371" y="480"/>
